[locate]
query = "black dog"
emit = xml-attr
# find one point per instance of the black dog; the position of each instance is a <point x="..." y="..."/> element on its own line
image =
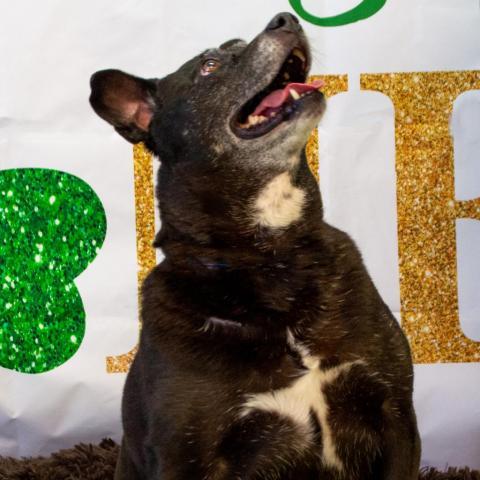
<point x="266" y="352"/>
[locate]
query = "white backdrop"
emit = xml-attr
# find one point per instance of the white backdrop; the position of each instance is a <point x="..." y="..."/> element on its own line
<point x="49" y="49"/>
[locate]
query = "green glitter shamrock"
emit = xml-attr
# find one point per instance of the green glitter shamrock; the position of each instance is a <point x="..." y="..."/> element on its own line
<point x="52" y="225"/>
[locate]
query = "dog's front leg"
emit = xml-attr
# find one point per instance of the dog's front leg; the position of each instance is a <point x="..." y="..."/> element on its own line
<point x="125" y="469"/>
<point x="401" y="458"/>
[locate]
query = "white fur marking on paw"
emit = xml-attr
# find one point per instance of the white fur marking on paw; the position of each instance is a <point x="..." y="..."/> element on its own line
<point x="279" y="203"/>
<point x="304" y="395"/>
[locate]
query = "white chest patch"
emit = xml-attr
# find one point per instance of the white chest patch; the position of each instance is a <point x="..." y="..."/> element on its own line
<point x="280" y="203"/>
<point x="303" y="396"/>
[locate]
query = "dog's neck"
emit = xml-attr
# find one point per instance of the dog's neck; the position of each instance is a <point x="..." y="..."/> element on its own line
<point x="218" y="216"/>
<point x="262" y="270"/>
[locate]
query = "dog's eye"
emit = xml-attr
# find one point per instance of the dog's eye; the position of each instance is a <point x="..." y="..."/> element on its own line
<point x="209" y="66"/>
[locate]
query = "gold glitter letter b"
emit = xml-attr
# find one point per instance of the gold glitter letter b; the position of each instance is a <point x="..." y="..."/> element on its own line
<point x="427" y="210"/>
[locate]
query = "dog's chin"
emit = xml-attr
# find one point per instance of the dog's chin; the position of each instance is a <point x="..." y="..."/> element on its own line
<point x="290" y="137"/>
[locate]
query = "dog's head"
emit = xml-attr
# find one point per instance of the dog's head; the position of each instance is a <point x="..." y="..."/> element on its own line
<point x="248" y="98"/>
<point x="229" y="127"/>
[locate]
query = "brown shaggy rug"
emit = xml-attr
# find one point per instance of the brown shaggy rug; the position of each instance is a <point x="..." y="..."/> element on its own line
<point x="97" y="462"/>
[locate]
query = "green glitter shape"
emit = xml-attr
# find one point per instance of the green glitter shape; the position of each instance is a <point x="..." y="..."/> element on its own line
<point x="52" y="225"/>
<point x="365" y="9"/>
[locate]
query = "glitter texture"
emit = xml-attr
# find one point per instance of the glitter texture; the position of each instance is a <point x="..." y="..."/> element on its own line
<point x="333" y="84"/>
<point x="427" y="210"/>
<point x="145" y="227"/>
<point x="52" y="227"/>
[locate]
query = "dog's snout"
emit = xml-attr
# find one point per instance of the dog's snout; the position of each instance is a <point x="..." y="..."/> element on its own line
<point x="284" y="21"/>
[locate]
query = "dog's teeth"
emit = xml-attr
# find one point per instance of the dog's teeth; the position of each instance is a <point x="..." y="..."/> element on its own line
<point x="294" y="94"/>
<point x="256" y="119"/>
<point x="298" y="53"/>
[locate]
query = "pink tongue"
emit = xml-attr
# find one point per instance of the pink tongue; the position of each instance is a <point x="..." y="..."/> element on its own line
<point x="278" y="97"/>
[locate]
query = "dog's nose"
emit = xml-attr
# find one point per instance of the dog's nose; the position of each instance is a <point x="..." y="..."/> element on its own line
<point x="284" y="21"/>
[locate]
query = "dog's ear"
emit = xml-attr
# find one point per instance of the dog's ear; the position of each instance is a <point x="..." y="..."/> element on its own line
<point x="125" y="101"/>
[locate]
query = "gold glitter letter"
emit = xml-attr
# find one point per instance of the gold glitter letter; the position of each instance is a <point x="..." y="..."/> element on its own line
<point x="145" y="226"/>
<point x="333" y="84"/>
<point x="427" y="210"/>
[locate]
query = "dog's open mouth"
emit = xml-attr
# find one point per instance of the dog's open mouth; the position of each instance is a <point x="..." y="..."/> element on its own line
<point x="279" y="100"/>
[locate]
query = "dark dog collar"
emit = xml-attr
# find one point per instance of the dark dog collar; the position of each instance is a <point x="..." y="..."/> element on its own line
<point x="211" y="264"/>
